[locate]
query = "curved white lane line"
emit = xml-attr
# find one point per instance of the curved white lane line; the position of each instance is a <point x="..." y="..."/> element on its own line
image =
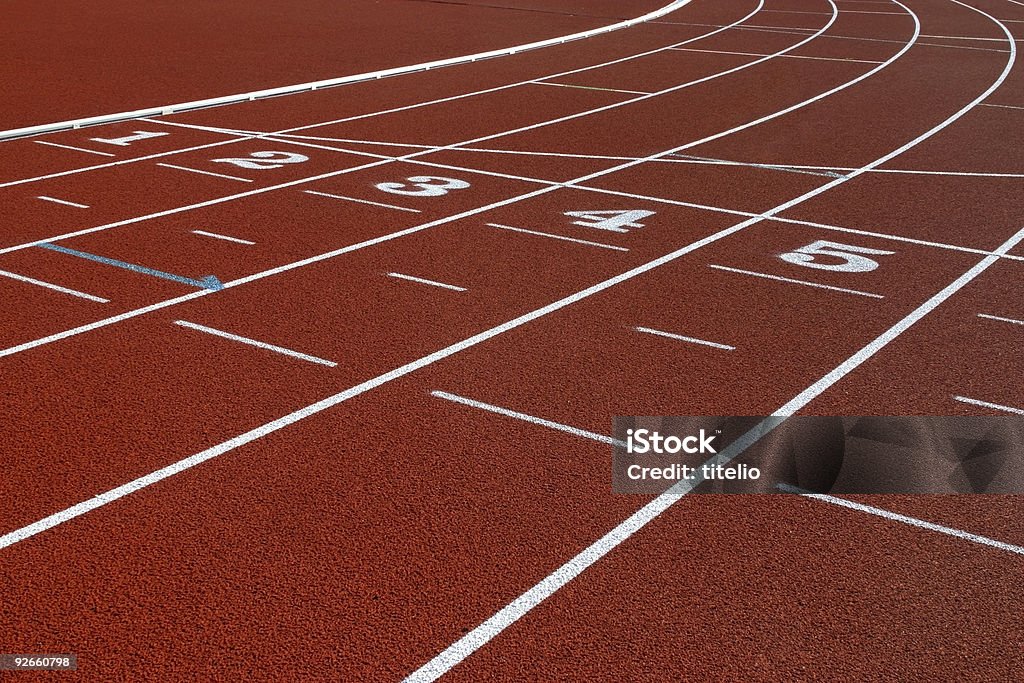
<point x="333" y="82"/>
<point x="381" y="112"/>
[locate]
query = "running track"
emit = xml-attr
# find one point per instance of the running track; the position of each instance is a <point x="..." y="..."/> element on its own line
<point x="372" y="445"/>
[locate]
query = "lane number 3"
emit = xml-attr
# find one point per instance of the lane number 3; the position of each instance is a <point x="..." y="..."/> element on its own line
<point x="823" y="255"/>
<point x="424" y="186"/>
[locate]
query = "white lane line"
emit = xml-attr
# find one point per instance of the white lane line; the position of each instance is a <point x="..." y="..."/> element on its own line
<point x="50" y="285"/>
<point x="258" y="344"/>
<point x="62" y="201"/>
<point x="424" y="281"/>
<point x="226" y="238"/>
<point x="807" y="283"/>
<point x="77" y="149"/>
<point x="1004" y="320"/>
<point x="332" y="82"/>
<point x="912" y="521"/>
<point x="575" y="431"/>
<point x="1001" y="106"/>
<point x="362" y="201"/>
<point x="679" y="337"/>
<point x="986" y="404"/>
<point x="210" y="173"/>
<point x="757" y="54"/>
<point x="591" y="87"/>
<point x="557" y="237"/>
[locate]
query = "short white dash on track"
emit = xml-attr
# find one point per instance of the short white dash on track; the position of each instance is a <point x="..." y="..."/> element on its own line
<point x="226" y="238"/>
<point x="63" y="201"/>
<point x="77" y="149"/>
<point x="991" y="406"/>
<point x="210" y="173"/>
<point x="679" y="337"/>
<point x="56" y="288"/>
<point x="557" y="237"/>
<point x="575" y="431"/>
<point x="1001" y="319"/>
<point x="424" y="281"/>
<point x="253" y="342"/>
<point x="912" y="521"/>
<point x="797" y="282"/>
<point x="591" y="87"/>
<point x="362" y="201"/>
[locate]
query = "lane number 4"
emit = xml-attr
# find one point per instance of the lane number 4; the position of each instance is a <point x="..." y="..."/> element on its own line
<point x="823" y="255"/>
<point x="614" y="221"/>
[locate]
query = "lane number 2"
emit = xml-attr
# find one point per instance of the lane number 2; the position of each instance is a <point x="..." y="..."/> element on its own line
<point x="614" y="221"/>
<point x="424" y="186"/>
<point x="262" y="161"/>
<point x="822" y="255"/>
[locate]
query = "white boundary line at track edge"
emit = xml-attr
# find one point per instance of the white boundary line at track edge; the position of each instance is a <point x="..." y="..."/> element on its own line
<point x="243" y="136"/>
<point x="333" y="82"/>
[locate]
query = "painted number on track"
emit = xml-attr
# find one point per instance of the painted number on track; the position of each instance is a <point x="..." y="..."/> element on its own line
<point x="614" y="221"/>
<point x="129" y="139"/>
<point x="823" y="254"/>
<point x="262" y="161"/>
<point x="424" y="186"/>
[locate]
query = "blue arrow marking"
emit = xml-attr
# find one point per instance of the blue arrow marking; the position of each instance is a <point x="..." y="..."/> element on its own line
<point x="208" y="282"/>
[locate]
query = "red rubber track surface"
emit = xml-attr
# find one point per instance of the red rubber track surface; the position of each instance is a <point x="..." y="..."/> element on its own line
<point x="366" y="536"/>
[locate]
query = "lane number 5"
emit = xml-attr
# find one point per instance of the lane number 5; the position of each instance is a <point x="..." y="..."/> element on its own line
<point x="823" y="254"/>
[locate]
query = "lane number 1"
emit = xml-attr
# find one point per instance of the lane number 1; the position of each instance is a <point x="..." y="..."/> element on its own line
<point x="129" y="139"/>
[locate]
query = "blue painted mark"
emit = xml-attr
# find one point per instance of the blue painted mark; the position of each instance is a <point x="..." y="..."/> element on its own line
<point x="208" y="282"/>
